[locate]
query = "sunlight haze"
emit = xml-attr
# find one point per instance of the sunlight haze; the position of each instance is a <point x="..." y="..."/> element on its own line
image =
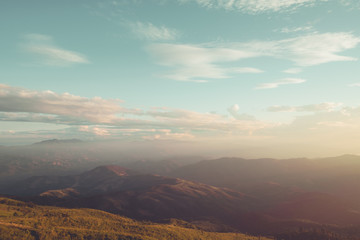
<point x="216" y="78"/>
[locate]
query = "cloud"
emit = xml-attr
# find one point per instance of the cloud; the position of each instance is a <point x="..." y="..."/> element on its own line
<point x="327" y="107"/>
<point x="103" y="117"/>
<point x="284" y="81"/>
<point x="307" y="50"/>
<point x="322" y="126"/>
<point x="328" y="124"/>
<point x="316" y="49"/>
<point x="167" y="134"/>
<point x="208" y="61"/>
<point x="98" y="131"/>
<point x="354" y="85"/>
<point x="44" y="47"/>
<point x="151" y="32"/>
<point x="246" y="70"/>
<point x="208" y="122"/>
<point x="194" y="63"/>
<point x="351" y="4"/>
<point x="293" y="70"/>
<point x="20" y="100"/>
<point x="296" y="29"/>
<point x="254" y="6"/>
<point x="234" y="111"/>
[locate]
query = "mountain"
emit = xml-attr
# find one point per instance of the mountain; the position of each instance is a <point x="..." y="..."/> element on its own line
<point x="58" y="142"/>
<point x="260" y="196"/>
<point x="152" y="197"/>
<point x="53" y="157"/>
<point x="141" y="196"/>
<point x="317" y="190"/>
<point x="336" y="175"/>
<point x="161" y="167"/>
<point x="73" y="156"/>
<point x="21" y="220"/>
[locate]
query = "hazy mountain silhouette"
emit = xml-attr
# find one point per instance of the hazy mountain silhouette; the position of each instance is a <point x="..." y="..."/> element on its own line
<point x="71" y="156"/>
<point x="57" y="141"/>
<point x="319" y="190"/>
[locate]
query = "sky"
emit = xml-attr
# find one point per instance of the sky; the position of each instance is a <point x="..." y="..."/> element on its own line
<point x="236" y="77"/>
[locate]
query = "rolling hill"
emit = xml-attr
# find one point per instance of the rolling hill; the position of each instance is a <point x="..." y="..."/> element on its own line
<point x="142" y="196"/>
<point x="20" y="220"/>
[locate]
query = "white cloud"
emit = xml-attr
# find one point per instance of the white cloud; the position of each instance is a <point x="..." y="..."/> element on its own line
<point x="246" y="70"/>
<point x="354" y="85"/>
<point x="14" y="99"/>
<point x="293" y="70"/>
<point x="326" y="107"/>
<point x="296" y="29"/>
<point x="194" y="63"/>
<point x="306" y="50"/>
<point x="151" y="32"/>
<point x="316" y="49"/>
<point x="98" y="131"/>
<point x="284" y="81"/>
<point x="234" y="111"/>
<point x="208" y="61"/>
<point x="43" y="47"/>
<point x="167" y="134"/>
<point x="255" y="6"/>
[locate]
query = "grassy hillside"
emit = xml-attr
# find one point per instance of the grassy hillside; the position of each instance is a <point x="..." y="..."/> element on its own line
<point x="20" y="220"/>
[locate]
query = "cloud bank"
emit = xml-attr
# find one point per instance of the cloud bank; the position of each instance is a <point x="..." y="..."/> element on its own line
<point x="326" y="125"/>
<point x="105" y="117"/>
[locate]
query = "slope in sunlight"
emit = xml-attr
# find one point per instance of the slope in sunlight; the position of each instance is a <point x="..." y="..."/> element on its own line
<point x="20" y="220"/>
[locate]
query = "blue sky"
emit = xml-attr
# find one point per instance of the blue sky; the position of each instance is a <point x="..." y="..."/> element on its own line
<point x="256" y="73"/>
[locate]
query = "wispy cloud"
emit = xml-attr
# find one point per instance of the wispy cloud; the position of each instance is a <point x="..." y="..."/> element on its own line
<point x="44" y="47"/>
<point x="327" y="107"/>
<point x="296" y="29"/>
<point x="285" y="81"/>
<point x="352" y="4"/>
<point x="148" y="31"/>
<point x="208" y="61"/>
<point x="354" y="85"/>
<point x="193" y="63"/>
<point x="316" y="49"/>
<point x="293" y="70"/>
<point x="306" y="50"/>
<point x="255" y="6"/>
<point x="245" y="70"/>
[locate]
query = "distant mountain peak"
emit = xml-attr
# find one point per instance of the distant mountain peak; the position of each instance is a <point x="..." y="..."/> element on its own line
<point x="57" y="141"/>
<point x="110" y="169"/>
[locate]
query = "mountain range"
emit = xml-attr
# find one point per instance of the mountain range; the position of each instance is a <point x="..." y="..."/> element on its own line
<point x="258" y="196"/>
